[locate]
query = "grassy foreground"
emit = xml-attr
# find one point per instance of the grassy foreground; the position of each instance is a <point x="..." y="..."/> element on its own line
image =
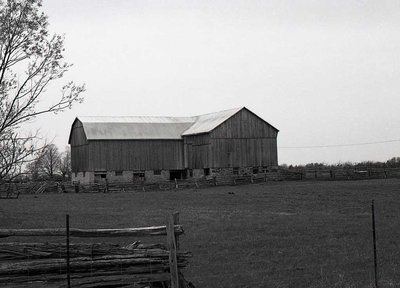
<point x="287" y="234"/>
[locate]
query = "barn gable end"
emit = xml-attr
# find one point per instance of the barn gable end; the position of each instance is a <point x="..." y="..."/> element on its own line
<point x="77" y="136"/>
<point x="242" y="140"/>
<point x="244" y="124"/>
<point x="79" y="147"/>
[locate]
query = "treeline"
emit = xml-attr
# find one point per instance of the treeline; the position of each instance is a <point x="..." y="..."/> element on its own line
<point x="49" y="164"/>
<point x="391" y="163"/>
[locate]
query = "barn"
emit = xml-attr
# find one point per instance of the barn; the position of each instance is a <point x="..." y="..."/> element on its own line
<point x="125" y="149"/>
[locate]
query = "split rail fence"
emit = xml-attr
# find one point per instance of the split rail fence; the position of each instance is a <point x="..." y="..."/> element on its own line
<point x="225" y="180"/>
<point x="94" y="265"/>
<point x="12" y="191"/>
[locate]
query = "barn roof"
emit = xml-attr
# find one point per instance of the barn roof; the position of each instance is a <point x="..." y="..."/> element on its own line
<point x="124" y="128"/>
<point x="145" y="127"/>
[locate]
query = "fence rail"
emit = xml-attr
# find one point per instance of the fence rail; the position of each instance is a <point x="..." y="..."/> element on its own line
<point x="84" y="265"/>
<point x="73" y="232"/>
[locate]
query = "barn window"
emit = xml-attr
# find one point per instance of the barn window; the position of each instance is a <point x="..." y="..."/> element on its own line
<point x="118" y="173"/>
<point x="206" y="171"/>
<point x="157" y="172"/>
<point x="190" y="172"/>
<point x="255" y="170"/>
<point x="235" y="170"/>
<point x="84" y="173"/>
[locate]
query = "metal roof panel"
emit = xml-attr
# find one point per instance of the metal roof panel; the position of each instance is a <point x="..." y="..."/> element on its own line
<point x="124" y="128"/>
<point x="149" y="127"/>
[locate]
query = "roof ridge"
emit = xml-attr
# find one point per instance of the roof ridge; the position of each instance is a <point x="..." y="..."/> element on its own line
<point x="226" y="110"/>
<point x="132" y="116"/>
<point x="135" y="119"/>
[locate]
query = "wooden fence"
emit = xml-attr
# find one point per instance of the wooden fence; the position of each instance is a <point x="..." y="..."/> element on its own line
<point x="339" y="174"/>
<point x="94" y="265"/>
<point x="192" y="183"/>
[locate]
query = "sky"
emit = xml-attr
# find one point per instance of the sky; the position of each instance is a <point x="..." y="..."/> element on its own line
<point x="325" y="73"/>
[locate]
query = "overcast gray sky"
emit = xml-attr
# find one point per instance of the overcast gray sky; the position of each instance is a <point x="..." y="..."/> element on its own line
<point x="322" y="72"/>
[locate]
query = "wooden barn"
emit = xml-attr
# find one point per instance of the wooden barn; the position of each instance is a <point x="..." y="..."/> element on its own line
<point x="124" y="149"/>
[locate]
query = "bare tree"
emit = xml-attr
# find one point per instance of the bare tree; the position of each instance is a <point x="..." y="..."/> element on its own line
<point x="33" y="169"/>
<point x="65" y="165"/>
<point x="25" y="44"/>
<point x="50" y="161"/>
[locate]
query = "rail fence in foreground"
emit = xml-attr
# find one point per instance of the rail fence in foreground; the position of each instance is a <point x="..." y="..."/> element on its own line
<point x="69" y="264"/>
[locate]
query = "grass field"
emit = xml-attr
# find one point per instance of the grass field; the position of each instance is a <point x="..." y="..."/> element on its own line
<point x="283" y="234"/>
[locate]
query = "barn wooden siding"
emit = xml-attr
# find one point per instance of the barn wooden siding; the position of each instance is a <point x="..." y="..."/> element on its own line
<point x="243" y="140"/>
<point x="128" y="155"/>
<point x="197" y="151"/>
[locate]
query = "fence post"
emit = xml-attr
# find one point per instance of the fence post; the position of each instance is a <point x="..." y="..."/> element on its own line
<point x="68" y="268"/>
<point x="374" y="243"/>
<point x="176" y="183"/>
<point x="171" y="242"/>
<point x="76" y="188"/>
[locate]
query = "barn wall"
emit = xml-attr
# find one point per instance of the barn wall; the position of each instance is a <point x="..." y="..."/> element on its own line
<point x="244" y="140"/>
<point x="128" y="155"/>
<point x="197" y="151"/>
<point x="251" y="152"/>
<point x="80" y="158"/>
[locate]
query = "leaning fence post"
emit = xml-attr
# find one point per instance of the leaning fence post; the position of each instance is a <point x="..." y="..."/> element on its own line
<point x="68" y="267"/>
<point x="173" y="261"/>
<point x="176" y="222"/>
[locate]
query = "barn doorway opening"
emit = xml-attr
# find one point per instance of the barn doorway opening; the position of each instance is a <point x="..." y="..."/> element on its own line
<point x="100" y="177"/>
<point x="177" y="174"/>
